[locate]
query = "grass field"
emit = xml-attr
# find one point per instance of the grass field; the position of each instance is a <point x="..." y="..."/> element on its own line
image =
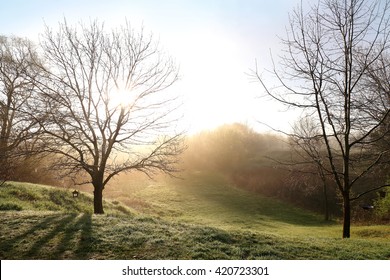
<point x="200" y="217"/>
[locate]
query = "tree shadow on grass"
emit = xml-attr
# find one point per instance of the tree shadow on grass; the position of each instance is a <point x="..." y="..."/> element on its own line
<point x="44" y="240"/>
<point x="86" y="240"/>
<point x="76" y="236"/>
<point x="59" y="236"/>
<point x="7" y="245"/>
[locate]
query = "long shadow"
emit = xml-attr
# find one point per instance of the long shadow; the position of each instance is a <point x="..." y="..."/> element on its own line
<point x="70" y="233"/>
<point x="72" y="236"/>
<point x="60" y="226"/>
<point x="7" y="244"/>
<point x="86" y="240"/>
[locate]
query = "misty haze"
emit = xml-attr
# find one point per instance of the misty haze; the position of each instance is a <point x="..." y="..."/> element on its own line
<point x="195" y="130"/>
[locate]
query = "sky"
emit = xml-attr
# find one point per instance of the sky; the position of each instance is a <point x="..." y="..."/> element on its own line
<point x="216" y="43"/>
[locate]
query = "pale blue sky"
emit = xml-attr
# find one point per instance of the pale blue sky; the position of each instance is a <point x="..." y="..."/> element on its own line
<point x="215" y="42"/>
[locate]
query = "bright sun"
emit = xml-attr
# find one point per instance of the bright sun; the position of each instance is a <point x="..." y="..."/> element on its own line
<point x="121" y="97"/>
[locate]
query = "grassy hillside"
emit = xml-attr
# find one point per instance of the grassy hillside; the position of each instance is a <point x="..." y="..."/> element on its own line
<point x="210" y="200"/>
<point x="213" y="201"/>
<point x="173" y="220"/>
<point x="26" y="196"/>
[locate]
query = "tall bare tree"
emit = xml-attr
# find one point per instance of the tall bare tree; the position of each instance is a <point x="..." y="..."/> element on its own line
<point x="17" y="57"/>
<point x="329" y="51"/>
<point x="106" y="105"/>
<point x="378" y="79"/>
<point x="309" y="157"/>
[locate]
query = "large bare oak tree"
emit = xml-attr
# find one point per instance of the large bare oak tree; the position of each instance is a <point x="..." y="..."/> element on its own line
<point x="106" y="104"/>
<point x="331" y="69"/>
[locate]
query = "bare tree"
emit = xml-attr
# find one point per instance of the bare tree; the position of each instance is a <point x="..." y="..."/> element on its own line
<point x="329" y="51"/>
<point x="378" y="80"/>
<point x="309" y="157"/>
<point x="106" y="105"/>
<point x="17" y="58"/>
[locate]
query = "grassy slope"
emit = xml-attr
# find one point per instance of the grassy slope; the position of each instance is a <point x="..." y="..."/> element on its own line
<point x="211" y="201"/>
<point x="245" y="227"/>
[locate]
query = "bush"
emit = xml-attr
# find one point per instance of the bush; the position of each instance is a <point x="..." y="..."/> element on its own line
<point x="382" y="205"/>
<point x="46" y="206"/>
<point x="24" y="194"/>
<point x="10" y="206"/>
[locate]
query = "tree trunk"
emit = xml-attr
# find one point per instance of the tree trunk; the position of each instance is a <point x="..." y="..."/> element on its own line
<point x="346" y="215"/>
<point x="326" y="206"/>
<point x="98" y="199"/>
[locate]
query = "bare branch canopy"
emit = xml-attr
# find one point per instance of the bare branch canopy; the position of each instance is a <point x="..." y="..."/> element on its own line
<point x="106" y="107"/>
<point x="334" y="67"/>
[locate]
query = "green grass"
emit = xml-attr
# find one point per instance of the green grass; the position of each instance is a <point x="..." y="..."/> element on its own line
<point x="200" y="217"/>
<point x="40" y="235"/>
<point x="213" y="200"/>
<point x="26" y="196"/>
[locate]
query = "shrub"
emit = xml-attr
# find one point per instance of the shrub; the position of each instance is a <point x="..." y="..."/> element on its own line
<point x="24" y="194"/>
<point x="382" y="205"/>
<point x="10" y="206"/>
<point x="46" y="206"/>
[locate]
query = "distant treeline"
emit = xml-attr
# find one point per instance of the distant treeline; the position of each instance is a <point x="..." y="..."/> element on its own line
<point x="268" y="164"/>
<point x="254" y="161"/>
